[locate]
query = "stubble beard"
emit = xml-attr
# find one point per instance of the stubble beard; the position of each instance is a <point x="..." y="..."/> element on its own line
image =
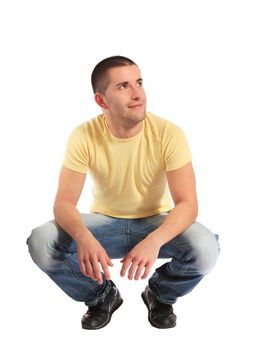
<point x="135" y="118"/>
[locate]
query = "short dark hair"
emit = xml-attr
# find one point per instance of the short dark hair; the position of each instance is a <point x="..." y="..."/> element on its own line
<point x="98" y="77"/>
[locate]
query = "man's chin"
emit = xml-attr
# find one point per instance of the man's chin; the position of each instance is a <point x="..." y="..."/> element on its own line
<point x="137" y="120"/>
<point x="139" y="116"/>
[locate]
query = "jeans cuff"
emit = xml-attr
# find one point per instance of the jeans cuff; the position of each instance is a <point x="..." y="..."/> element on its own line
<point x="100" y="297"/>
<point x="153" y="290"/>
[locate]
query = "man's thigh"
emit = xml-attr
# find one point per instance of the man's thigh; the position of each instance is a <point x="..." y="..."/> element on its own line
<point x="110" y="232"/>
<point x="197" y="240"/>
<point x="195" y="237"/>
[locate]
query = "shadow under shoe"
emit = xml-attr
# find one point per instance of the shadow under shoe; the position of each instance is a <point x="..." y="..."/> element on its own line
<point x="160" y="315"/>
<point x="99" y="316"/>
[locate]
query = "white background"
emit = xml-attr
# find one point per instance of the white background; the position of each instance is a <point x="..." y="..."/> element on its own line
<point x="198" y="63"/>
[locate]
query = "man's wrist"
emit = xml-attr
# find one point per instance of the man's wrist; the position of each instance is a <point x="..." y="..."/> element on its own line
<point x="156" y="238"/>
<point x="81" y="234"/>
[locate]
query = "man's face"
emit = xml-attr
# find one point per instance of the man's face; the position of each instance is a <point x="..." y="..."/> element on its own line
<point x="124" y="97"/>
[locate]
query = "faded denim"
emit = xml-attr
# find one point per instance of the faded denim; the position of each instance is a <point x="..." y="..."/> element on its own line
<point x="192" y="255"/>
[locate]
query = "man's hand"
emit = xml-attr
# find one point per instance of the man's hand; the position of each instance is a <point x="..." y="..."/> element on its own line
<point x="141" y="257"/>
<point x="92" y="257"/>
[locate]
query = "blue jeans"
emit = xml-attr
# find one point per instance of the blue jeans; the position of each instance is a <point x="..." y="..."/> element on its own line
<point x="193" y="254"/>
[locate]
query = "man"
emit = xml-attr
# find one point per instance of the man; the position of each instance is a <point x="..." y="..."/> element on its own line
<point x="137" y="161"/>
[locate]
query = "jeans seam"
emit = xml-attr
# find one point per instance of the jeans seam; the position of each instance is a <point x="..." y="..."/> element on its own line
<point x="65" y="260"/>
<point x="97" y="298"/>
<point x="181" y="270"/>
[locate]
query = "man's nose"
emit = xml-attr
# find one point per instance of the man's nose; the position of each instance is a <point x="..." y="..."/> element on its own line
<point x="136" y="93"/>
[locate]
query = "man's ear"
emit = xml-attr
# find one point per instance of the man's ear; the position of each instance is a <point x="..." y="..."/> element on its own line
<point x="99" y="100"/>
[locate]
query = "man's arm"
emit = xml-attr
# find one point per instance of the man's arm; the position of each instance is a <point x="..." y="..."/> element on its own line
<point x="69" y="190"/>
<point x="89" y="251"/>
<point x="182" y="186"/>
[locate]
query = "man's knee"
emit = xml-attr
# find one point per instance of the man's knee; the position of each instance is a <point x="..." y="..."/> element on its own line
<point x="40" y="244"/>
<point x="205" y="247"/>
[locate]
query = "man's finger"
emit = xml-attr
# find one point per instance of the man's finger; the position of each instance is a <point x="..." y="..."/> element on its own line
<point x="139" y="271"/>
<point x="132" y="269"/>
<point x="96" y="271"/>
<point x="109" y="262"/>
<point x="82" y="267"/>
<point x="88" y="269"/>
<point x="105" y="269"/>
<point x="147" y="270"/>
<point x="126" y="262"/>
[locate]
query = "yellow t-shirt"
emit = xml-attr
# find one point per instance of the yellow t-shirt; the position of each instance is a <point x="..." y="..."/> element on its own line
<point x="129" y="175"/>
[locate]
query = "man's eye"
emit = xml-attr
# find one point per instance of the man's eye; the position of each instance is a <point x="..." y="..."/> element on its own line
<point x="122" y="86"/>
<point x="140" y="83"/>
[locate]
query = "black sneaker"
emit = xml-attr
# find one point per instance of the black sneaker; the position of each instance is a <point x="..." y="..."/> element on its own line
<point x="99" y="316"/>
<point x="159" y="315"/>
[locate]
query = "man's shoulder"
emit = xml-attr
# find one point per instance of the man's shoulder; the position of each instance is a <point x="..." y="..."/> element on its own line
<point x="91" y="125"/>
<point x="160" y="125"/>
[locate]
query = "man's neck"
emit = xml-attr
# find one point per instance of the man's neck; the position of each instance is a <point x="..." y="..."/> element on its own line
<point x="122" y="131"/>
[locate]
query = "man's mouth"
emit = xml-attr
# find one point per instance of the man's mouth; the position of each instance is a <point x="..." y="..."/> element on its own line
<point x="135" y="106"/>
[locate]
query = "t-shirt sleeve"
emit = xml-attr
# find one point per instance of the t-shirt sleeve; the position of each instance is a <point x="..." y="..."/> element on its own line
<point x="76" y="155"/>
<point x="176" y="151"/>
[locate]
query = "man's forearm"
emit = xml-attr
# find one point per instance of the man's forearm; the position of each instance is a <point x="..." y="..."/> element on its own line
<point x="69" y="218"/>
<point x="178" y="219"/>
